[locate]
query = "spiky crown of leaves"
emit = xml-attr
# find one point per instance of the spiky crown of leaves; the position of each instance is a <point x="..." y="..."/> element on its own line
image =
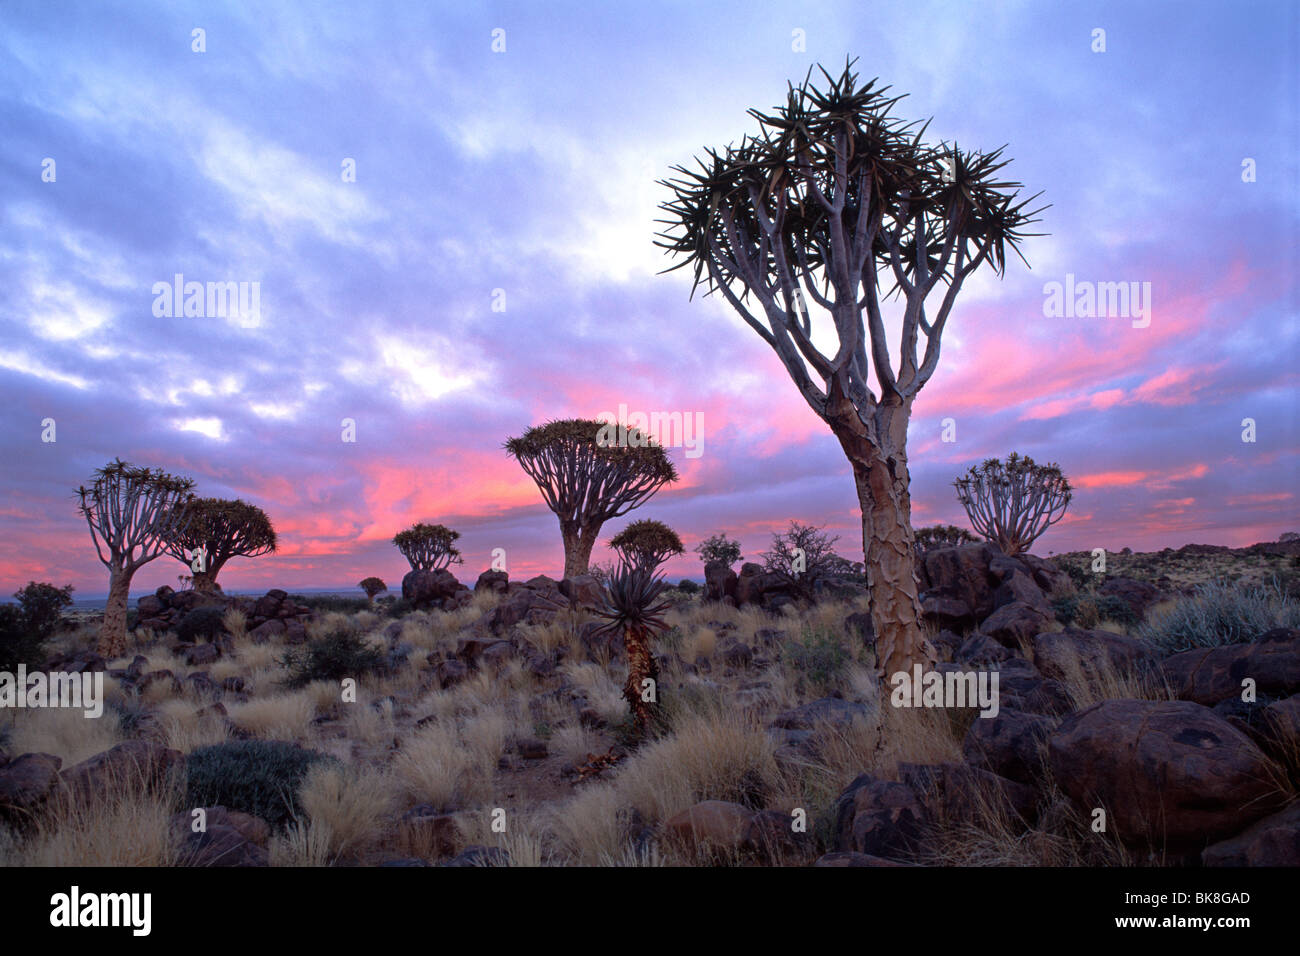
<point x="118" y="473"/>
<point x="907" y="178"/>
<point x="647" y="535"/>
<point x="421" y="533"/>
<point x="632" y="599"/>
<point x="635" y="445"/>
<point x="1016" y="468"/>
<point x="217" y="521"/>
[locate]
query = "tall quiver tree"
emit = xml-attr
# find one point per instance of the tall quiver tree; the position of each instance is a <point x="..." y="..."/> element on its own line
<point x="132" y="513"/>
<point x="589" y="472"/>
<point x="428" y="547"/>
<point x="646" y="544"/>
<point x="1012" y="504"/>
<point x="218" y="530"/>
<point x="831" y="193"/>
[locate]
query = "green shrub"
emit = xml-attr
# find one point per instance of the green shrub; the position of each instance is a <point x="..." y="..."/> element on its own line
<point x="688" y="586"/>
<point x="260" y="777"/>
<point x="202" y="623"/>
<point x="338" y="653"/>
<point x="1087" y="610"/>
<point x="399" y="608"/>
<point x="27" y="625"/>
<point x="818" y="657"/>
<point x="1217" y="614"/>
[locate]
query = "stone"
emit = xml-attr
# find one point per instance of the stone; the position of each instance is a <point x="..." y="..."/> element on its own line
<point x="1012" y="744"/>
<point x="1209" y="675"/>
<point x="1057" y="655"/>
<point x="1272" y="841"/>
<point x="1015" y="625"/>
<point x="497" y="582"/>
<point x="128" y="767"/>
<point x="877" y="817"/>
<point x="26" y="782"/>
<point x="711" y="827"/>
<point x="1169" y="771"/>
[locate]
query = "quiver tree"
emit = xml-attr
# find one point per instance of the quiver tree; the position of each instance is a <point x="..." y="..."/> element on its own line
<point x="941" y="536"/>
<point x="218" y="530"/>
<point x="372" y="586"/>
<point x="132" y="513"/>
<point x="428" y="547"/>
<point x="718" y="548"/>
<point x="1012" y="504"/>
<point x="632" y="606"/>
<point x="795" y="227"/>
<point x="646" y="544"/>
<point x="589" y="472"/>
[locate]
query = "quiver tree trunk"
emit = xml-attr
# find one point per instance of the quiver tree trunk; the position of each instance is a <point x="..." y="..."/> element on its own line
<point x="883" y="485"/>
<point x="112" y="633"/>
<point x="578" y="544"/>
<point x="641" y="666"/>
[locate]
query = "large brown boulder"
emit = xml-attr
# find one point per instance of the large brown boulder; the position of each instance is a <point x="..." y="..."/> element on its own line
<point x="957" y="793"/>
<point x="126" y="768"/>
<point x="1094" y="652"/>
<point x="1012" y="744"/>
<point x="1015" y="625"/>
<point x="1138" y="595"/>
<point x="430" y="588"/>
<point x="877" y="818"/>
<point x="527" y="606"/>
<point x="1209" y="675"/>
<point x="962" y="573"/>
<point x="719" y="581"/>
<point x="756" y="586"/>
<point x="1172" y="772"/>
<point x="491" y="580"/>
<point x="583" y="591"/>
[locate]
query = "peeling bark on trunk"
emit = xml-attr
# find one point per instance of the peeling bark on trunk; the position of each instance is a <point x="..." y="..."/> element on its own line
<point x="880" y="473"/>
<point x="112" y="634"/>
<point x="641" y="665"/>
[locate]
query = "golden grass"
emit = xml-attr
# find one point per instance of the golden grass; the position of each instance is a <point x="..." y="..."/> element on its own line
<point x="128" y="827"/>
<point x="347" y="807"/>
<point x="280" y="716"/>
<point x="64" y="732"/>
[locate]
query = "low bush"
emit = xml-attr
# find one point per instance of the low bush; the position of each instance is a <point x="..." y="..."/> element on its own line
<point x="340" y="652"/>
<point x="260" y="777"/>
<point x="202" y="623"/>
<point x="1217" y="614"/>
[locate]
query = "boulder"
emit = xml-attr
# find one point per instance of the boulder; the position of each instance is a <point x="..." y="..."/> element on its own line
<point x="425" y="588"/>
<point x="1169" y="771"/>
<point x="149" y="606"/>
<point x="128" y="767"/>
<point x="1056" y="655"/>
<point x="962" y="573"/>
<point x="1272" y="841"/>
<point x="25" y="784"/>
<point x="496" y="581"/>
<point x="1015" y="624"/>
<point x="770" y="836"/>
<point x="1138" y="595"/>
<point x="583" y="591"/>
<point x="266" y="630"/>
<point x="1012" y="744"/>
<point x="719" y="581"/>
<point x="946" y="612"/>
<point x="958" y="793"/>
<point x="1209" y="675"/>
<point x="877" y="817"/>
<point x="711" y="827"/>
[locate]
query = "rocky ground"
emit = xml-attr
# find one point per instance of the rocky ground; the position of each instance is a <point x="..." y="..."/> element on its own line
<point x="494" y="731"/>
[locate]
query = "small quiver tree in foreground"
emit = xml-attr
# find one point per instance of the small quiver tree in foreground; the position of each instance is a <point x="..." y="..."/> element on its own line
<point x="132" y="513"/>
<point x="1012" y="504"/>
<point x="632" y="606"/>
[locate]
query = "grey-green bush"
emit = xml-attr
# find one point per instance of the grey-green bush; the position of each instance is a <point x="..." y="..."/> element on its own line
<point x="260" y="777"/>
<point x="1218" y="614"/>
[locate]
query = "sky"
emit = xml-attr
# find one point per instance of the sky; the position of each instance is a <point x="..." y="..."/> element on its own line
<point x="452" y="242"/>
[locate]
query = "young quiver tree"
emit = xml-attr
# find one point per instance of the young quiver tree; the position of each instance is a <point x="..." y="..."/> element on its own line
<point x="132" y="513"/>
<point x="632" y="606"/>
<point x="646" y="544"/>
<point x="428" y="547"/>
<point x="803" y="229"/>
<point x="589" y="472"/>
<point x="218" y="530"/>
<point x="1012" y="504"/>
<point x="372" y="586"/>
